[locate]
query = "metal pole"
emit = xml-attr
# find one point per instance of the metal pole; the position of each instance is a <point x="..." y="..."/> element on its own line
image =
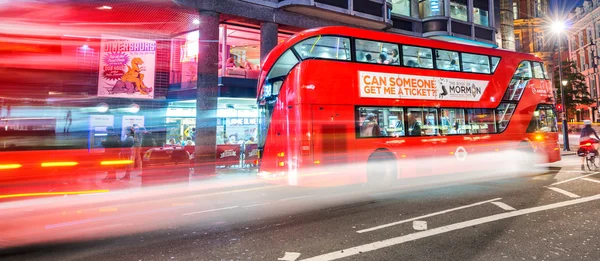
<point x="562" y="98"/>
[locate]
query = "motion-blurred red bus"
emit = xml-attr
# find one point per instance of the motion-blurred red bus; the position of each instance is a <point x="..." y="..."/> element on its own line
<point x="374" y="106"/>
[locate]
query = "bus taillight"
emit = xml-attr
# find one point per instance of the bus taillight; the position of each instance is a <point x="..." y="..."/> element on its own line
<point x="281" y="164"/>
<point x="281" y="154"/>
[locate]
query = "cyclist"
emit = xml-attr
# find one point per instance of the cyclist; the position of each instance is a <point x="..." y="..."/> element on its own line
<point x="586" y="134"/>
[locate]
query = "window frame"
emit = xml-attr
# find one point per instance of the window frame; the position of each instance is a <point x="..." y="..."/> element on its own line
<point x="354" y="57"/>
<point x="459" y="60"/>
<point x="489" y="63"/>
<point x="433" y="65"/>
<point x="298" y="55"/>
<point x="533" y="64"/>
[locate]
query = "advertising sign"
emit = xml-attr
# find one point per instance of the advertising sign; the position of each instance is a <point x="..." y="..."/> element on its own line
<point x="228" y="155"/>
<point x="406" y="86"/>
<point x="129" y="121"/>
<point x="127" y="67"/>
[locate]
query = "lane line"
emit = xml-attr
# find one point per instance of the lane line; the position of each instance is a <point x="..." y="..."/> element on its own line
<point x="441" y="230"/>
<point x="567" y="180"/>
<point x="293" y="198"/>
<point x="419" y="225"/>
<point x="426" y="216"/>
<point x="564" y="192"/>
<point x="257" y="205"/>
<point x="503" y="206"/>
<point x="209" y="210"/>
<point x="96" y="219"/>
<point x="289" y="256"/>
<point x="234" y="191"/>
<point x="592" y="180"/>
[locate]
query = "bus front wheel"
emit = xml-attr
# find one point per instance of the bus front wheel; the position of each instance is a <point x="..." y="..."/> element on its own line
<point x="382" y="169"/>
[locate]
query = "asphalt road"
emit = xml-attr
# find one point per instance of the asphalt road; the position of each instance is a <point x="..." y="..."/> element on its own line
<point x="553" y="216"/>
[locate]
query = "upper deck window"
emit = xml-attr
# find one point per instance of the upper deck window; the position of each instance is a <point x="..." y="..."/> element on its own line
<point x="280" y="69"/>
<point x="538" y="70"/>
<point x="475" y="63"/>
<point x="377" y="52"/>
<point x="495" y="62"/>
<point x="419" y="57"/>
<point x="447" y="60"/>
<point x="325" y="47"/>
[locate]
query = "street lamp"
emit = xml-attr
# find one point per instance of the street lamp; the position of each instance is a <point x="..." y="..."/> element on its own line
<point x="559" y="27"/>
<point x="564" y="82"/>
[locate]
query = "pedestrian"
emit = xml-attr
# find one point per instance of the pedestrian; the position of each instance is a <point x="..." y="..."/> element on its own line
<point x="110" y="144"/>
<point x="127" y="152"/>
<point x="189" y="142"/>
<point x="137" y="147"/>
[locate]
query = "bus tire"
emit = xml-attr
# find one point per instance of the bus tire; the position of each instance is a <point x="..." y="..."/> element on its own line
<point x="382" y="169"/>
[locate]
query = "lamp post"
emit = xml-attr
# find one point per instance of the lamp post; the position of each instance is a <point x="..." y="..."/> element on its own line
<point x="558" y="27"/>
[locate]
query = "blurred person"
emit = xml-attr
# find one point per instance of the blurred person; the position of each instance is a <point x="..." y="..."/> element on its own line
<point x="137" y="147"/>
<point x="414" y="127"/>
<point x="193" y="133"/>
<point x="370" y="127"/>
<point x="586" y="136"/>
<point x="250" y="141"/>
<point x="383" y="58"/>
<point x="368" y="58"/>
<point x="233" y="139"/>
<point x="110" y="144"/>
<point x="395" y="58"/>
<point x="68" y="122"/>
<point x="171" y="142"/>
<point x="128" y="151"/>
<point x="189" y="142"/>
<point x="181" y="141"/>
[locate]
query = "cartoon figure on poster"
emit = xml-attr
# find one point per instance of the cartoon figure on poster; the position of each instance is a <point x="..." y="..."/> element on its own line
<point x="126" y="68"/>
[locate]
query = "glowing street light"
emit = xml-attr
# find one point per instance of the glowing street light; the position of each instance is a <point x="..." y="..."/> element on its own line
<point x="558" y="27"/>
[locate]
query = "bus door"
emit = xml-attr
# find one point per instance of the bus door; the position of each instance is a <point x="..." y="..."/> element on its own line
<point x="332" y="131"/>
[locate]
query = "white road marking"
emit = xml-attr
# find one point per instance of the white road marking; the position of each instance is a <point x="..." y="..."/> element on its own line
<point x="292" y="198"/>
<point x="567" y="180"/>
<point x="289" y="256"/>
<point x="426" y="216"/>
<point x="210" y="210"/>
<point x="592" y="180"/>
<point x="564" y="192"/>
<point x="256" y="205"/>
<point x="440" y="230"/>
<point x="503" y="206"/>
<point x="419" y="225"/>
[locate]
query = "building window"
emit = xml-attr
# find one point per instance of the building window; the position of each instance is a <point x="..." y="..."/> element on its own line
<point x="401" y="7"/>
<point x="458" y="10"/>
<point x="581" y="42"/>
<point x="598" y="30"/>
<point x="539" y="42"/>
<point x="377" y="52"/>
<point x="518" y="42"/>
<point x="480" y="13"/>
<point x="428" y="8"/>
<point x="537" y="9"/>
<point x="418" y="57"/>
<point x="582" y="61"/>
<point x="515" y="10"/>
<point x="447" y="60"/>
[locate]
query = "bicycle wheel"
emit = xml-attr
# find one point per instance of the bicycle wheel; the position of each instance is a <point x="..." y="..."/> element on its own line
<point x="592" y="163"/>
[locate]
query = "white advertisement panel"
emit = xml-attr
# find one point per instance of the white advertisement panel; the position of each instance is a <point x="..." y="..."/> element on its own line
<point x="127" y="67"/>
<point x="129" y="121"/>
<point x="406" y="86"/>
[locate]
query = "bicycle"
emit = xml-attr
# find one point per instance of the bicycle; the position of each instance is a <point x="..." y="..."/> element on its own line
<point x="592" y="159"/>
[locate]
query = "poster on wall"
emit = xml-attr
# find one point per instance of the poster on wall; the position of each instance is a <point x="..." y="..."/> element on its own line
<point x="189" y="75"/>
<point x="127" y="67"/>
<point x="130" y="121"/>
<point x="406" y="86"/>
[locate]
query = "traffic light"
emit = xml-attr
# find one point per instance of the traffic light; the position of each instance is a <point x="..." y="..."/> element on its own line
<point x="559" y="107"/>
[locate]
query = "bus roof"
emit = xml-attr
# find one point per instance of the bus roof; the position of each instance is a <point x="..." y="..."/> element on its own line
<point x="272" y="57"/>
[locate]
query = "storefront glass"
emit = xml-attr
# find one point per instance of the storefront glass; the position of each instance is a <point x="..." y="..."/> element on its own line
<point x="401" y="7"/>
<point x="429" y="8"/>
<point x="458" y="10"/>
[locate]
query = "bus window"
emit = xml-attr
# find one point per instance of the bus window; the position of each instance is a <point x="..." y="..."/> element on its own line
<point x="481" y="121"/>
<point x="377" y="52"/>
<point x="475" y="63"/>
<point x="422" y="121"/>
<point x="538" y="72"/>
<point x="447" y="60"/>
<point x="452" y="121"/>
<point x="417" y="57"/>
<point x="280" y="69"/>
<point x="325" y="47"/>
<point x="380" y="122"/>
<point x="543" y="120"/>
<point x="518" y="82"/>
<point x="504" y="112"/>
<point x="495" y="62"/>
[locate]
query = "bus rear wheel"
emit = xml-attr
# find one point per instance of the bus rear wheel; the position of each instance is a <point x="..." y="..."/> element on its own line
<point x="382" y="169"/>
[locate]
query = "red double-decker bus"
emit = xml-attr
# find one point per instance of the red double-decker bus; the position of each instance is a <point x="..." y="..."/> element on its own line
<point x="374" y="106"/>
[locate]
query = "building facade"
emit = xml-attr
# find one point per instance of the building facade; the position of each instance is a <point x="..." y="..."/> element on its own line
<point x="531" y="32"/>
<point x="202" y="57"/>
<point x="583" y="34"/>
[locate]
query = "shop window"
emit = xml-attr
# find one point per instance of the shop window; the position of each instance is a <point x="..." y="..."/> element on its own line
<point x="543" y="120"/>
<point x="458" y="10"/>
<point x="538" y="71"/>
<point x="429" y="8"/>
<point x="452" y="121"/>
<point x="475" y="63"/>
<point x="422" y="121"/>
<point x="515" y="10"/>
<point x="325" y="47"/>
<point x="447" y="60"/>
<point x="401" y="7"/>
<point x="504" y="113"/>
<point x="380" y="122"/>
<point x="495" y="62"/>
<point x="417" y="57"/>
<point x="481" y="13"/>
<point x="481" y="121"/>
<point x="377" y="52"/>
